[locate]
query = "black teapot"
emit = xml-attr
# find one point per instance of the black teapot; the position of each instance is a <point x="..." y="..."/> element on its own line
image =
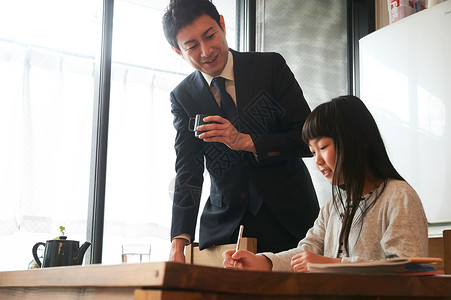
<point x="60" y="252"/>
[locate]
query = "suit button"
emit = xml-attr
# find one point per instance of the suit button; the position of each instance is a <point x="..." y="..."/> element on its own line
<point x="275" y="153"/>
<point x="243" y="196"/>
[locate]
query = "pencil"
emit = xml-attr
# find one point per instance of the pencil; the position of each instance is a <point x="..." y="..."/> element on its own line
<point x="240" y="235"/>
<point x="238" y="242"/>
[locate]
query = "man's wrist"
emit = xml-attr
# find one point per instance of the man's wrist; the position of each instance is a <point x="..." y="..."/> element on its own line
<point x="248" y="144"/>
<point x="179" y="243"/>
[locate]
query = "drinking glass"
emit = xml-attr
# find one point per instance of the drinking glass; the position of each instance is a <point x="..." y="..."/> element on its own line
<point x="135" y="253"/>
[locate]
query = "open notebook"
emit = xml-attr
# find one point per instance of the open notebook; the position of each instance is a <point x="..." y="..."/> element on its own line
<point x="401" y="266"/>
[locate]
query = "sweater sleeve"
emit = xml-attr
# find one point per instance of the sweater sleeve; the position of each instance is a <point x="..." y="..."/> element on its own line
<point x="395" y="226"/>
<point x="407" y="229"/>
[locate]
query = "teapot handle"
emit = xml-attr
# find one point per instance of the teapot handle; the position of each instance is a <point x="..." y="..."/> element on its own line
<point x="35" y="253"/>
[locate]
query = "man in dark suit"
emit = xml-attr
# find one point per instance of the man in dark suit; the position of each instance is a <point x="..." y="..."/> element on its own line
<point x="251" y="146"/>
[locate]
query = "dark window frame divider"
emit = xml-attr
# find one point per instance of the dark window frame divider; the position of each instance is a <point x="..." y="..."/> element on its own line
<point x="246" y="25"/>
<point x="361" y="21"/>
<point x="96" y="207"/>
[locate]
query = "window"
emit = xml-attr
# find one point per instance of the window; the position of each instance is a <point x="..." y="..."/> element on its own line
<point x="312" y="37"/>
<point x="49" y="51"/>
<point x="141" y="155"/>
<point x="47" y="59"/>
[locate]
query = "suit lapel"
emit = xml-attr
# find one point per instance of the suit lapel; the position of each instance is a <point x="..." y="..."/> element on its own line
<point x="201" y="94"/>
<point x="245" y="85"/>
<point x="244" y="80"/>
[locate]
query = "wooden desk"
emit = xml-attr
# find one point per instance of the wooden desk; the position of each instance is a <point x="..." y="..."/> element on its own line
<point x="167" y="280"/>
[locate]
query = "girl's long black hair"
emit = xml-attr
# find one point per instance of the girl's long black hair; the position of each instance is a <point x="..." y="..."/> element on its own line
<point x="358" y="146"/>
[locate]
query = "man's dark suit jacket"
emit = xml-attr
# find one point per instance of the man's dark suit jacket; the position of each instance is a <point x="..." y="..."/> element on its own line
<point x="272" y="109"/>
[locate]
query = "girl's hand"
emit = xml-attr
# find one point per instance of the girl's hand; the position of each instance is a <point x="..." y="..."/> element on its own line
<point x="245" y="260"/>
<point x="299" y="261"/>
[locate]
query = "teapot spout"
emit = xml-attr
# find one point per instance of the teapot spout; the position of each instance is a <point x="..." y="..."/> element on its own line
<point x="80" y="253"/>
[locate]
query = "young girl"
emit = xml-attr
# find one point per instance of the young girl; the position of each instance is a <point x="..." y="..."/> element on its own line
<point x="374" y="214"/>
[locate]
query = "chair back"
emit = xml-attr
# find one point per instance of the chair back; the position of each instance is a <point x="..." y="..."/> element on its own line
<point x="447" y="251"/>
<point x="441" y="247"/>
<point x="436" y="249"/>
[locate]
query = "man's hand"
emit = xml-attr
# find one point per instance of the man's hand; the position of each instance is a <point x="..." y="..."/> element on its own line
<point x="299" y="261"/>
<point x="222" y="131"/>
<point x="177" y="250"/>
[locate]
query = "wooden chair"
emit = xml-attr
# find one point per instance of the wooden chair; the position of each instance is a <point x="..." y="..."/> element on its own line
<point x="436" y="249"/>
<point x="212" y="256"/>
<point x="447" y="251"/>
<point x="441" y="247"/>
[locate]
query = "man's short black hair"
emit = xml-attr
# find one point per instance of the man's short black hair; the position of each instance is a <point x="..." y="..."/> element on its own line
<point x="181" y="13"/>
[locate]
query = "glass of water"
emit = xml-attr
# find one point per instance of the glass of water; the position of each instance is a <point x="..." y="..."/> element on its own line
<point x="135" y="253"/>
